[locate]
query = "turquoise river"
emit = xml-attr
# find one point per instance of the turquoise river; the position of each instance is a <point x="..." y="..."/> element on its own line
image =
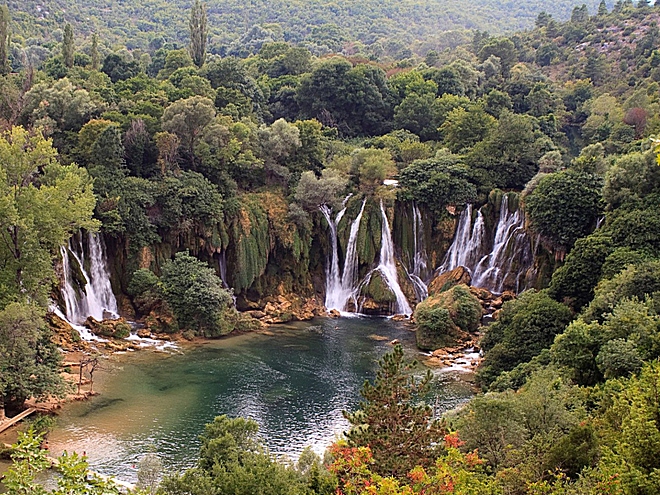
<point x="294" y="382"/>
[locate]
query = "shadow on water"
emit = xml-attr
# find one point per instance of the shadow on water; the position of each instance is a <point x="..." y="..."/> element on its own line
<point x="294" y="383"/>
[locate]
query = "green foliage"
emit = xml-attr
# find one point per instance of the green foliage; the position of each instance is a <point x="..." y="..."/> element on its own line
<point x="198" y="33"/>
<point x="233" y="461"/>
<point x="196" y="296"/>
<point x="28" y="360"/>
<point x="353" y="99"/>
<point x="400" y="431"/>
<point x="524" y="328"/>
<point x="68" y="50"/>
<point x="573" y="283"/>
<point x="29" y="460"/>
<point x="442" y="317"/>
<point x="42" y="203"/>
<point x="565" y="206"/>
<point x="438" y="182"/>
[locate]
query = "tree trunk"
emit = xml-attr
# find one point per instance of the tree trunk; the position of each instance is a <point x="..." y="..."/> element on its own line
<point x="2" y="409"/>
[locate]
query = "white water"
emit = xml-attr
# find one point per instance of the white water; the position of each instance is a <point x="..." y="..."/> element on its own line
<point x="511" y="253"/>
<point x="341" y="287"/>
<point x="419" y="270"/>
<point x="95" y="298"/>
<point x="498" y="265"/>
<point x="84" y="332"/>
<point x="387" y="267"/>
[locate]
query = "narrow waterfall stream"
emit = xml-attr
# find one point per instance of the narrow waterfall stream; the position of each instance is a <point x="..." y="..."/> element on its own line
<point x="418" y="271"/>
<point x="511" y="254"/>
<point x="341" y="286"/>
<point x="498" y="264"/>
<point x="387" y="268"/>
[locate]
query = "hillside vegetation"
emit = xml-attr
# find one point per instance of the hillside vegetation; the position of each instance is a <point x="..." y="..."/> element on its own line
<point x="394" y="27"/>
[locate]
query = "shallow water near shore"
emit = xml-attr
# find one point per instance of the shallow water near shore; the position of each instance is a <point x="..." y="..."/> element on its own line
<point x="294" y="383"/>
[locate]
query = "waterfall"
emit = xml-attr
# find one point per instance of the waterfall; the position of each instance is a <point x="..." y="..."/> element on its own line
<point x="498" y="265"/>
<point x="341" y="286"/>
<point x="94" y="296"/>
<point x="468" y="242"/>
<point x="222" y="265"/>
<point x="511" y="254"/>
<point x="387" y="267"/>
<point x="418" y="270"/>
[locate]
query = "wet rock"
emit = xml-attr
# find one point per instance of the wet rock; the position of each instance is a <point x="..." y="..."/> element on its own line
<point x="447" y="280"/>
<point x="117" y="329"/>
<point x="333" y="313"/>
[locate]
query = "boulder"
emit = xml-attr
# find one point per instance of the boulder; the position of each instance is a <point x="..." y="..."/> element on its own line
<point x="447" y="280"/>
<point x="117" y="329"/>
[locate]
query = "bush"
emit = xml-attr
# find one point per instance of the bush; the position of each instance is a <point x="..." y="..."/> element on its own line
<point x="443" y="317"/>
<point x="524" y="328"/>
<point x="565" y="206"/>
<point x="196" y="296"/>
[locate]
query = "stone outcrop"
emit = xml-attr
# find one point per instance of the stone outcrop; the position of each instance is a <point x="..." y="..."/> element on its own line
<point x="447" y="280"/>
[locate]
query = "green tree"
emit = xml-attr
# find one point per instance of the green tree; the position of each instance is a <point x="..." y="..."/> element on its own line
<point x="29" y="362"/>
<point x="196" y="296"/>
<point x="312" y="192"/>
<point x="233" y="461"/>
<point x="42" y="203"/>
<point x="68" y="48"/>
<point x="523" y="329"/>
<point x="401" y="431"/>
<point x="187" y="119"/>
<point x="565" y="206"/>
<point x="198" y="33"/>
<point x="96" y="57"/>
<point x="29" y="460"/>
<point x="5" y="19"/>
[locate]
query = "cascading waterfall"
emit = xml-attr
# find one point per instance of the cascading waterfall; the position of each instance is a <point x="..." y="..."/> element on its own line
<point x="341" y="286"/>
<point x="468" y="242"/>
<point x="387" y="267"/>
<point x="94" y="296"/>
<point x="496" y="266"/>
<point x="418" y="271"/>
<point x="511" y="254"/>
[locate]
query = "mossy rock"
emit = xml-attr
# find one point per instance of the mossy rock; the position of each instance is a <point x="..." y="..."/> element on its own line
<point x="447" y="317"/>
<point x="378" y="290"/>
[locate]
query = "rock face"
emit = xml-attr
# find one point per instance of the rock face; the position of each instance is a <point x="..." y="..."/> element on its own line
<point x="447" y="318"/>
<point x="447" y="280"/>
<point x="64" y="335"/>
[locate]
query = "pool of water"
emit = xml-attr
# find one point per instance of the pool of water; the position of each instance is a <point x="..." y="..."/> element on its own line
<point x="294" y="383"/>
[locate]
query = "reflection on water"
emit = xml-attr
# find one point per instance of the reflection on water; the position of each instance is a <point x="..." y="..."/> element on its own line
<point x="294" y="384"/>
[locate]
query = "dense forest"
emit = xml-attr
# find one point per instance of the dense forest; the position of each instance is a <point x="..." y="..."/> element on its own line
<point x="373" y="28"/>
<point x="222" y="173"/>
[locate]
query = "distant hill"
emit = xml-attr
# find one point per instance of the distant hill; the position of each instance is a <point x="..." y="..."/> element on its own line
<point x="393" y="25"/>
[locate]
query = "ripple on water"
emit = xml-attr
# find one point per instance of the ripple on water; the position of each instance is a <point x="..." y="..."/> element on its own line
<point x="294" y="384"/>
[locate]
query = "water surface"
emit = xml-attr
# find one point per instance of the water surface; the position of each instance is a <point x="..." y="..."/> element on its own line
<point x="294" y="383"/>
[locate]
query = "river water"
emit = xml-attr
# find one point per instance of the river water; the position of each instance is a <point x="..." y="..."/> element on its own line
<point x="294" y="383"/>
